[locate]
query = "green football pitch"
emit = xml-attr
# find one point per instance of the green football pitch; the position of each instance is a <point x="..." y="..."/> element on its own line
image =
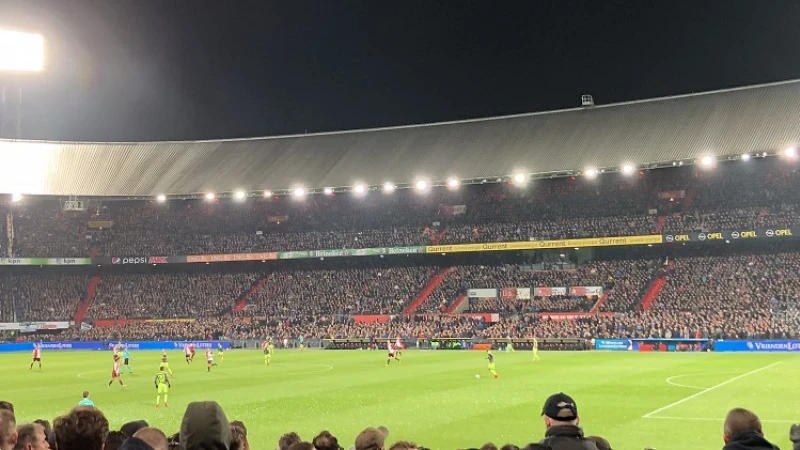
<point x="636" y="400"/>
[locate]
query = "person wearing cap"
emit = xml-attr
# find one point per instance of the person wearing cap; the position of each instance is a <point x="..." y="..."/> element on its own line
<point x="560" y="414"/>
<point x="372" y="439"/>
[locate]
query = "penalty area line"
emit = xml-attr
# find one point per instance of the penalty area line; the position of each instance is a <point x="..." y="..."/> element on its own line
<point x="707" y="390"/>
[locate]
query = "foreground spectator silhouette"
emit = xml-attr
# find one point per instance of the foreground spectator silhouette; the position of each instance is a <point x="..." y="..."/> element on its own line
<point x="83" y="428"/>
<point x="561" y="419"/>
<point x="8" y="433"/>
<point x="31" y="436"/>
<point x="743" y="431"/>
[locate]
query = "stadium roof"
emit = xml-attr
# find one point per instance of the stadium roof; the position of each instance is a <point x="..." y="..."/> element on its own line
<point x="642" y="133"/>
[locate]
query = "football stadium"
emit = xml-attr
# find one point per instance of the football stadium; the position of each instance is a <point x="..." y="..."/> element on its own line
<point x="608" y="274"/>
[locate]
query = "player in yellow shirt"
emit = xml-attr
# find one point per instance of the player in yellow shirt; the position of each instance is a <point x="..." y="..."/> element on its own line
<point x="162" y="384"/>
<point x="535" y="349"/>
<point x="164" y="364"/>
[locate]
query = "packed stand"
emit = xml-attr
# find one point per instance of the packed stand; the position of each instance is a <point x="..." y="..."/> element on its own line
<point x="48" y="297"/>
<point x="379" y="290"/>
<point x="164" y="296"/>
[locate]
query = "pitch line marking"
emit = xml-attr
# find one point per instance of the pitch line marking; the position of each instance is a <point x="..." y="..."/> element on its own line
<point x="710" y="419"/>
<point x="707" y="390"/>
<point x="669" y="380"/>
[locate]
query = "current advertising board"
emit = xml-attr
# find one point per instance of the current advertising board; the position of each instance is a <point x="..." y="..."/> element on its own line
<point x="106" y="345"/>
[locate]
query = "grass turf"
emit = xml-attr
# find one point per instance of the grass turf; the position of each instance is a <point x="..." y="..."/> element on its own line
<point x="432" y="398"/>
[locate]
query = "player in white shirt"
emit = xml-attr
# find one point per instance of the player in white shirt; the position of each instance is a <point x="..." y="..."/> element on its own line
<point x="392" y="353"/>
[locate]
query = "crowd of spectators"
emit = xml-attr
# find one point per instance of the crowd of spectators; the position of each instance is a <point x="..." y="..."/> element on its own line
<point x="378" y="290"/>
<point x="168" y="296"/>
<point x="551" y="209"/>
<point x="47" y="297"/>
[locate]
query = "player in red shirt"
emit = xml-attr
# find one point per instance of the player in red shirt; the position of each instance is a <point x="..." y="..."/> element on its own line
<point x="115" y="373"/>
<point x="188" y="353"/>
<point x="398" y="347"/>
<point x="191" y="350"/>
<point x="37" y="356"/>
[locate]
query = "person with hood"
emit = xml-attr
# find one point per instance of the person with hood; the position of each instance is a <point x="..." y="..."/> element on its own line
<point x="205" y="427"/>
<point x="742" y="431"/>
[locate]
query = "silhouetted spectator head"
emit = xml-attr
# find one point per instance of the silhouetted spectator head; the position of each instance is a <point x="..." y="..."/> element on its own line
<point x="560" y="409"/>
<point x="82" y="428"/>
<point x="31" y="437"/>
<point x="288" y="440"/>
<point x="205" y="427"/>
<point x="8" y="433"/>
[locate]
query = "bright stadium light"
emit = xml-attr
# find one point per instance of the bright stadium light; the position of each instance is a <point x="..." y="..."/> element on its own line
<point x="421" y="185"/>
<point x="16" y="198"/>
<point x="161" y="198"/>
<point x="299" y="192"/>
<point x="21" y="52"/>
<point x="453" y="183"/>
<point x="519" y="178"/>
<point x="359" y="189"/>
<point x="210" y="196"/>
<point x="327" y="191"/>
<point x="707" y="161"/>
<point x="388" y="187"/>
<point x="746" y="157"/>
<point x="791" y="152"/>
<point x="267" y="194"/>
<point x="628" y="169"/>
<point x="239" y="195"/>
<point x="590" y="173"/>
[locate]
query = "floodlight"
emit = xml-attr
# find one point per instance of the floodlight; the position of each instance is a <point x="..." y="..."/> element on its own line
<point x="16" y="198"/>
<point x="590" y="173"/>
<point x="628" y="169"/>
<point x="239" y="195"/>
<point x="210" y="196"/>
<point x="421" y="185"/>
<point x="327" y="191"/>
<point x="267" y="194"/>
<point x="161" y="198"/>
<point x="21" y="52"/>
<point x="359" y="189"/>
<point x="519" y="178"/>
<point x="453" y="183"/>
<point x="707" y="161"/>
<point x="791" y="152"/>
<point x="388" y="187"/>
<point x="299" y="192"/>
<point x="746" y="157"/>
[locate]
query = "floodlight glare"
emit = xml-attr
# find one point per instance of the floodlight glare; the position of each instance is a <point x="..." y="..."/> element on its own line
<point x="267" y="194"/>
<point x="21" y="52"/>
<point x="422" y="185"/>
<point x="210" y="196"/>
<point x="359" y="189"/>
<point x="328" y="191"/>
<point x="590" y="173"/>
<point x="707" y="161"/>
<point x="388" y="187"/>
<point x="628" y="169"/>
<point x="453" y="183"/>
<point x="746" y="157"/>
<point x="239" y="195"/>
<point x="791" y="152"/>
<point x="519" y="178"/>
<point x="161" y="198"/>
<point x="16" y="198"/>
<point x="299" y="192"/>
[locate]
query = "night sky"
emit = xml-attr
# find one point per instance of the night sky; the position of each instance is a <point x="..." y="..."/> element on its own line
<point x="173" y="69"/>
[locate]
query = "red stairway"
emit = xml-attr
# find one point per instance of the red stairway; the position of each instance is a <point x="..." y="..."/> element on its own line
<point x="652" y="292"/>
<point x="600" y="302"/>
<point x="242" y="302"/>
<point x="454" y="306"/>
<point x="83" y="308"/>
<point x="426" y="291"/>
<point x="660" y="224"/>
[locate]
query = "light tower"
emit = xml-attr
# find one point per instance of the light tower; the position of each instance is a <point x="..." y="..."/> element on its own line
<point x="21" y="54"/>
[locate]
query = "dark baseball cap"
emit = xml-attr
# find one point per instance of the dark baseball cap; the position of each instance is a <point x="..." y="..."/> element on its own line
<point x="560" y="407"/>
